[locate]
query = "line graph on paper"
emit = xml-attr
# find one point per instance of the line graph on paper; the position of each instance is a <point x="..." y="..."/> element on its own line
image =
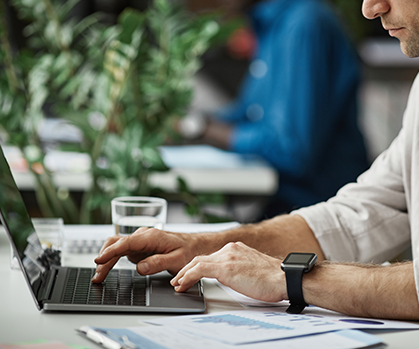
<point x="239" y="321"/>
<point x="236" y="329"/>
<point x="242" y="327"/>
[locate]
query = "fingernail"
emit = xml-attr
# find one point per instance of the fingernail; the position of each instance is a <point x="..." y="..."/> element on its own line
<point x="180" y="281"/>
<point x="95" y="276"/>
<point x="143" y="268"/>
<point x="177" y="288"/>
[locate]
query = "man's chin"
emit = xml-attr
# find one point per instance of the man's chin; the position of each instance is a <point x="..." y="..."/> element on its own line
<point x="410" y="50"/>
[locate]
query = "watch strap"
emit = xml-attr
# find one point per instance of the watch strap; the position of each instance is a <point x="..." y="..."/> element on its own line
<point x="294" y="279"/>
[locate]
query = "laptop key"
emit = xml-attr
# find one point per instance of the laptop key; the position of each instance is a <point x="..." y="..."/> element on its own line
<point x="121" y="287"/>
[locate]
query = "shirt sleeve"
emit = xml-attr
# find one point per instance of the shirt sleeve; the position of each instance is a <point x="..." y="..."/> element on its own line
<point x="231" y="113"/>
<point x="303" y="114"/>
<point x="366" y="221"/>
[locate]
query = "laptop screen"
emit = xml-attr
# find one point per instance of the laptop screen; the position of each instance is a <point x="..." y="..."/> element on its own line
<point x="20" y="229"/>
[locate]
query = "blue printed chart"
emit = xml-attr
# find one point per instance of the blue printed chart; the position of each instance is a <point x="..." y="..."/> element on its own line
<point x="241" y="327"/>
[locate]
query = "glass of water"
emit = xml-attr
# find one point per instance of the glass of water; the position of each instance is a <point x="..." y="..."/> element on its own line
<point x="132" y="212"/>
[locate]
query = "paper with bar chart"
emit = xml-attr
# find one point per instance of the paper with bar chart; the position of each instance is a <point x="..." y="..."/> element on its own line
<point x="242" y="327"/>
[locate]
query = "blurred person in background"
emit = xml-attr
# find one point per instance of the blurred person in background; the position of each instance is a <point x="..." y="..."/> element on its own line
<point x="297" y="106"/>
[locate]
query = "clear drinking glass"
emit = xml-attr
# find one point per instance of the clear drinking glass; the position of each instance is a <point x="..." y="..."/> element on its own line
<point x="132" y="212"/>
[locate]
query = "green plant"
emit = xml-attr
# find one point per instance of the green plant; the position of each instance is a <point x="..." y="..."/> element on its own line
<point x="121" y="85"/>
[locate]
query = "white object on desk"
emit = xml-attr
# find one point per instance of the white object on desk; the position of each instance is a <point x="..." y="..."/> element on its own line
<point x="205" y="156"/>
<point x="99" y="338"/>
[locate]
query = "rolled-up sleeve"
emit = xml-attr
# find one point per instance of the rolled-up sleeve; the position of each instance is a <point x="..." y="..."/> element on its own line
<point x="366" y="221"/>
<point x="376" y="218"/>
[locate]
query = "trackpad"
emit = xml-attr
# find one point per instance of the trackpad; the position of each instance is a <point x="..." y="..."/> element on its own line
<point x="164" y="294"/>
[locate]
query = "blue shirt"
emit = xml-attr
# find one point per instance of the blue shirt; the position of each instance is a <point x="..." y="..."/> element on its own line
<point x="297" y="107"/>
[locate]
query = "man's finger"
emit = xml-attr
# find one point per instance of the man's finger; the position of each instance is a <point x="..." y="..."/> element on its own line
<point x="196" y="273"/>
<point x="142" y="240"/>
<point x="102" y="270"/>
<point x="190" y="265"/>
<point x="109" y="241"/>
<point x="160" y="262"/>
<point x="120" y="248"/>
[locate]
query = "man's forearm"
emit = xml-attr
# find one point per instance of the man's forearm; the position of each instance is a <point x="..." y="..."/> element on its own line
<point x="276" y="237"/>
<point x="364" y="290"/>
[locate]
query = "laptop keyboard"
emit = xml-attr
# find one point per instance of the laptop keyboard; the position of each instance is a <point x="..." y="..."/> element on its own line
<point x="121" y="287"/>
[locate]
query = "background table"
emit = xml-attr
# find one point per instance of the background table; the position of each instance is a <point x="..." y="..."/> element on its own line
<point x="246" y="181"/>
<point x="205" y="169"/>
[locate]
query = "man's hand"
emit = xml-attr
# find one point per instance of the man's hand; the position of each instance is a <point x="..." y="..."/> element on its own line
<point x="240" y="267"/>
<point x="152" y="250"/>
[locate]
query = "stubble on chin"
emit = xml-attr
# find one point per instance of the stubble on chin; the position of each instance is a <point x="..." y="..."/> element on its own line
<point x="411" y="47"/>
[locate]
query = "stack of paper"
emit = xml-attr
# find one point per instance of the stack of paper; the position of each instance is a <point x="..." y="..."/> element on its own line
<point x="251" y="329"/>
<point x="163" y="337"/>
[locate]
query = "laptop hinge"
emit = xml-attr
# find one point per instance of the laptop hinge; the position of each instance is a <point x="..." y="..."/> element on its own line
<point x="47" y="284"/>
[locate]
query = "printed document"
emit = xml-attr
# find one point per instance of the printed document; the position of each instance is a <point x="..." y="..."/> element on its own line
<point x="249" y="326"/>
<point x="163" y="337"/>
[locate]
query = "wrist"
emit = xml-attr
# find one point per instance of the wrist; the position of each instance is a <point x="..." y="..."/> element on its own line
<point x="295" y="266"/>
<point x="328" y="284"/>
<point x="311" y="285"/>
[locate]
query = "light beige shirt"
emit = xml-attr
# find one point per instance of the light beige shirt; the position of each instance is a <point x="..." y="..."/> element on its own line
<point x="376" y="218"/>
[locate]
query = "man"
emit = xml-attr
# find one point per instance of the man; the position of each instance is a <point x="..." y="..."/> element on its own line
<point x="370" y="221"/>
<point x="297" y="107"/>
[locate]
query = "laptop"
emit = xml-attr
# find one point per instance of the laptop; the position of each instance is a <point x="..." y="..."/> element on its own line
<point x="59" y="288"/>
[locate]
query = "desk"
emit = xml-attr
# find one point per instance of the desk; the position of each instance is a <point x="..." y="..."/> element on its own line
<point x="21" y="321"/>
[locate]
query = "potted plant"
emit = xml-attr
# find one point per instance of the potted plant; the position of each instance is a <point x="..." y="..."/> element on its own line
<point x="122" y="85"/>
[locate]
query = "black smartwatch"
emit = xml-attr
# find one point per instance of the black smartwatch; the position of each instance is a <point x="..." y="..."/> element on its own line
<point x="294" y="266"/>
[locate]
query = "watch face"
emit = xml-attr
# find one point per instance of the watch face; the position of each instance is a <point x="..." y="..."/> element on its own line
<point x="303" y="259"/>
